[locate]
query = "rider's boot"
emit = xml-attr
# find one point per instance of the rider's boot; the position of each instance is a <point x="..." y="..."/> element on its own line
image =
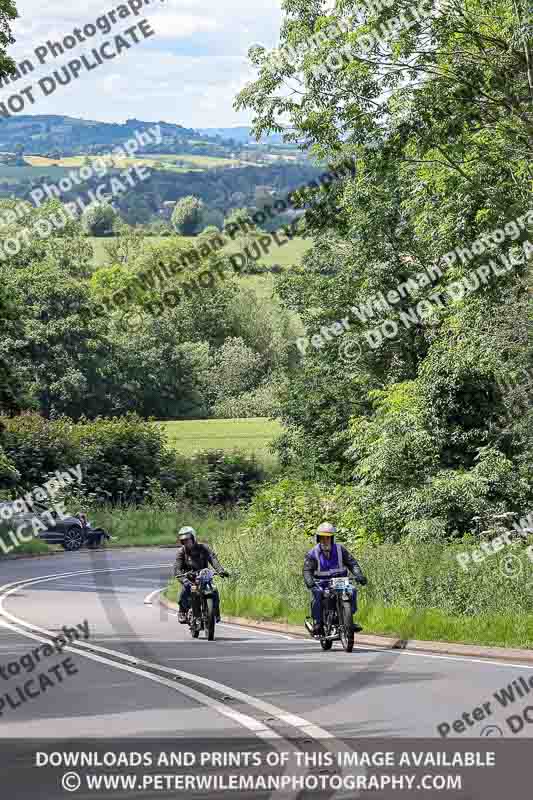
<point x="357" y="627"/>
<point x="182" y="617"/>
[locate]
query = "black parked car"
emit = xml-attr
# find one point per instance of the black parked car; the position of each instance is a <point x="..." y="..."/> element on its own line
<point x="71" y="532"/>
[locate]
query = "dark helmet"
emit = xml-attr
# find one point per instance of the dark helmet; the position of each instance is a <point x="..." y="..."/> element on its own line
<point x="326" y="529"/>
<point x="186" y="533"/>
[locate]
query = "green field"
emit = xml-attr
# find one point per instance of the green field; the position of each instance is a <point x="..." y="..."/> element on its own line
<point x="101" y="259"/>
<point x="17" y="174"/>
<point x="164" y="161"/>
<point x="248" y="435"/>
<point x="290" y="253"/>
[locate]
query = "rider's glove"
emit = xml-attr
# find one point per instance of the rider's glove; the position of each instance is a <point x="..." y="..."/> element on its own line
<point x="224" y="573"/>
<point x="186" y="583"/>
<point x="362" y="580"/>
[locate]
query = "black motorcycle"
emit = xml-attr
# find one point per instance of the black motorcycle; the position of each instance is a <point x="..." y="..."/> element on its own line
<point x="337" y="622"/>
<point x="204" y="590"/>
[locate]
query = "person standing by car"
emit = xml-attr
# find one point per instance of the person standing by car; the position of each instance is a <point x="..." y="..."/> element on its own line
<point x="192" y="556"/>
<point x="328" y="560"/>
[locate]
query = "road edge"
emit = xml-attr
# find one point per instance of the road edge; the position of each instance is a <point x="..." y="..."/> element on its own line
<point x="386" y="642"/>
<point x="82" y="550"/>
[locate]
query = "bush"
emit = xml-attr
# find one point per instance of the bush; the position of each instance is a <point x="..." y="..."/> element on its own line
<point x="99" y="219"/>
<point x="120" y="457"/>
<point x="188" y="216"/>
<point x="401" y="576"/>
<point x="299" y="506"/>
<point x="260" y="402"/>
<point x="221" y="478"/>
<point x="124" y="461"/>
<point x="36" y="447"/>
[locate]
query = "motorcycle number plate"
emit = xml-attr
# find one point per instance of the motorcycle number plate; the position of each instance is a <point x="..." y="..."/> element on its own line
<point x="340" y="583"/>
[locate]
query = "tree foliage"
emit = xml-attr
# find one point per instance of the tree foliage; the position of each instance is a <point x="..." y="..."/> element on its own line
<point x="188" y="216"/>
<point x="437" y="111"/>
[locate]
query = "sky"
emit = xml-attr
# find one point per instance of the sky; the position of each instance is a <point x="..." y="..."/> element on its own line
<point x="188" y="72"/>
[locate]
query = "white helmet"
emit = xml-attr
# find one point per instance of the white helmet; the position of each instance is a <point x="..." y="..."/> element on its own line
<point x="326" y="529"/>
<point x="186" y="533"/>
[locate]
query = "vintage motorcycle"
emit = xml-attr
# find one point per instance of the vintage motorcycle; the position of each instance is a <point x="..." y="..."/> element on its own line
<point x="204" y="590"/>
<point x="336" y="615"/>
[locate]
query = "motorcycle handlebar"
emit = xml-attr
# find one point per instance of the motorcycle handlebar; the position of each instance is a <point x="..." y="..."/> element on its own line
<point x="192" y="575"/>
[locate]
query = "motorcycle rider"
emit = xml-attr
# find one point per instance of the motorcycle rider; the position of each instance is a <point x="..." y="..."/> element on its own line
<point x="324" y="561"/>
<point x="192" y="557"/>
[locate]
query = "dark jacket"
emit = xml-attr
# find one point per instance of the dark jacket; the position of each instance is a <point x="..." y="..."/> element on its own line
<point x="311" y="565"/>
<point x="199" y="557"/>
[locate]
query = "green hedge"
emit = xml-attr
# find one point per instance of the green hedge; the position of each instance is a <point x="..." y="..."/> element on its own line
<point x="124" y="460"/>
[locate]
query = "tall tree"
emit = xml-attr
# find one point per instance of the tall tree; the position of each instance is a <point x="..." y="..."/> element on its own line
<point x="435" y="105"/>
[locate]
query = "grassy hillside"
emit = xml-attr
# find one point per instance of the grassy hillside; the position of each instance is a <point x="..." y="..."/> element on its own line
<point x="248" y="435"/>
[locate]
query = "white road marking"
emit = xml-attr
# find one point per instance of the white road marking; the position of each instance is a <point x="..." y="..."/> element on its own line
<point x="307" y="728"/>
<point x="148" y="598"/>
<point x="490" y="662"/>
<point x="257" y="630"/>
<point x="261" y="730"/>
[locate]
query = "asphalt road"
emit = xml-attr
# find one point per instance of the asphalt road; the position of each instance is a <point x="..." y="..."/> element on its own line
<point x="139" y="674"/>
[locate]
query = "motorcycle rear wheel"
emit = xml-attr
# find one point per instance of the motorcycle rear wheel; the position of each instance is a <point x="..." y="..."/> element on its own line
<point x="346" y="626"/>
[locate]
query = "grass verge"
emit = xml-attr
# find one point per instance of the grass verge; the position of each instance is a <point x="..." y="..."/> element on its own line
<point x="405" y="623"/>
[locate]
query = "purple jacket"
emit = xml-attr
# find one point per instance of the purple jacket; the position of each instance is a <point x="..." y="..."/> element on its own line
<point x="318" y="567"/>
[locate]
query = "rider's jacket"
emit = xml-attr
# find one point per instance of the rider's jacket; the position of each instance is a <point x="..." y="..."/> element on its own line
<point x="199" y="557"/>
<point x="318" y="567"/>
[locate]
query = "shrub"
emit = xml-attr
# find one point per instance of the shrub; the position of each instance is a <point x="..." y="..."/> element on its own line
<point x="299" y="506"/>
<point x="124" y="460"/>
<point x="36" y="447"/>
<point x="260" y="402"/>
<point x="121" y="456"/>
<point x="221" y="478"/>
<point x="99" y="219"/>
<point x="188" y="216"/>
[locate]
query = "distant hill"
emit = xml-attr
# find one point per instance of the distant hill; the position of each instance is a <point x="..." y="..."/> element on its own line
<point x="44" y="133"/>
<point x="241" y="134"/>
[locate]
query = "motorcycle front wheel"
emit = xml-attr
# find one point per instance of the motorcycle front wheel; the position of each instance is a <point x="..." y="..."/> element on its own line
<point x="194" y="627"/>
<point x="346" y="626"/>
<point x="326" y="644"/>
<point x="210" y="619"/>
